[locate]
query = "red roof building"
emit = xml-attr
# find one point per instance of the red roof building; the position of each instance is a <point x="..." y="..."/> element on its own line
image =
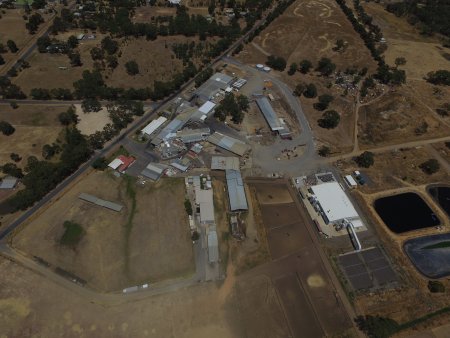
<point x="126" y="162"/>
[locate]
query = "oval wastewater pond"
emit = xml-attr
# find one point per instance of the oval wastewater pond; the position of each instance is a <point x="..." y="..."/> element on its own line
<point x="430" y="254"/>
<point x="441" y="194"/>
<point x="405" y="212"/>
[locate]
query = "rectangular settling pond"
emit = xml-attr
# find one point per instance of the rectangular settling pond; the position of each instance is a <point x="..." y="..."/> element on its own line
<point x="430" y="254"/>
<point x="441" y="194"/>
<point x="405" y="212"/>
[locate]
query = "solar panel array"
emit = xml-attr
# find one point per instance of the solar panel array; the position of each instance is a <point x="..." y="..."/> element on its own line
<point x="367" y="269"/>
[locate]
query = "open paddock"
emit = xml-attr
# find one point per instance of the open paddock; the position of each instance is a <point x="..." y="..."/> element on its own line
<point x="119" y="249"/>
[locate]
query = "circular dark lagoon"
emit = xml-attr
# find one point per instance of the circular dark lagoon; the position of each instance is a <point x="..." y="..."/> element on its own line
<point x="405" y="212"/>
<point x="430" y="254"/>
<point x="442" y="196"/>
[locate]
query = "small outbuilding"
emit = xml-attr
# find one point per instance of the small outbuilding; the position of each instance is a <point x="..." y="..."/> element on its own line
<point x="8" y="182"/>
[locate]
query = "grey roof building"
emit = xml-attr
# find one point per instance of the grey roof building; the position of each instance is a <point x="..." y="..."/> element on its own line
<point x="8" y="182"/>
<point x="228" y="143"/>
<point x="212" y="86"/>
<point x="236" y="190"/>
<point x="153" y="171"/>
<point x="204" y="198"/>
<point x="269" y="114"/>
<point x="188" y="135"/>
<point x="213" y="246"/>
<point x="224" y="163"/>
<point x="100" y="202"/>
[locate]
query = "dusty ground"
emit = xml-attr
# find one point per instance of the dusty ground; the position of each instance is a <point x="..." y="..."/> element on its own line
<point x="397" y="117"/>
<point x="114" y="254"/>
<point x="89" y="123"/>
<point x="33" y="306"/>
<point x="305" y="289"/>
<point x="396" y="169"/>
<point x="45" y="72"/>
<point x="35" y="126"/>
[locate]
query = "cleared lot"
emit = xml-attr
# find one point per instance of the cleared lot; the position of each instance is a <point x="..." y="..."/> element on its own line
<point x="119" y="249"/>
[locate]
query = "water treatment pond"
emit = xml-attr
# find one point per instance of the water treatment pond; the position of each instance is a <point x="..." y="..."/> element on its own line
<point x="442" y="196"/>
<point x="430" y="254"/>
<point x="405" y="212"/>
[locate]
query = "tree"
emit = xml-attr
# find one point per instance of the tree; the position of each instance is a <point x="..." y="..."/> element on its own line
<point x="15" y="157"/>
<point x="276" y="62"/>
<point x="72" y="42"/>
<point x="75" y="59"/>
<point x="109" y="45"/>
<point x="132" y="68"/>
<point x="326" y="67"/>
<point x="195" y="236"/>
<point x="6" y="128"/>
<point x="299" y="89"/>
<point x="243" y="102"/>
<point x="91" y="105"/>
<point x="305" y="66"/>
<point x="439" y="77"/>
<point x="96" y="53"/>
<point x="188" y="206"/>
<point x="340" y="45"/>
<point x="310" y="91"/>
<point x="430" y="166"/>
<point x="292" y="68"/>
<point x="2" y="60"/>
<point x="112" y="61"/>
<point x="68" y="117"/>
<point x="38" y="4"/>
<point x="377" y="327"/>
<point x="12" y="170"/>
<point x="329" y="120"/>
<point x="40" y="94"/>
<point x="365" y="160"/>
<point x="324" y="151"/>
<point x="100" y="163"/>
<point x="43" y="43"/>
<point x="400" y="61"/>
<point x="324" y="101"/>
<point x="436" y="286"/>
<point x="12" y="46"/>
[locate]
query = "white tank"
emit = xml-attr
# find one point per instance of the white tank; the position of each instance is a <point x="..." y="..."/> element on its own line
<point x="267" y="69"/>
<point x="259" y="66"/>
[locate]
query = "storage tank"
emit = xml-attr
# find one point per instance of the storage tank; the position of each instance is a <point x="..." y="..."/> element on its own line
<point x="267" y="69"/>
<point x="260" y="66"/>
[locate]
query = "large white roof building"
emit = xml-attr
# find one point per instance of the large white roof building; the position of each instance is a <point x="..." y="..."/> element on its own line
<point x="335" y="204"/>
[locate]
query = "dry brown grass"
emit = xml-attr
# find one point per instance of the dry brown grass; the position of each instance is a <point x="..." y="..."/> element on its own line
<point x="115" y="253"/>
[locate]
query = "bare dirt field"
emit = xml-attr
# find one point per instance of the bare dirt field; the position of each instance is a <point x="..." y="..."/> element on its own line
<point x="35" y="126"/>
<point x="398" y="117"/>
<point x="45" y="71"/>
<point x="89" y="123"/>
<point x="119" y="249"/>
<point x="31" y="305"/>
<point x="306" y="292"/>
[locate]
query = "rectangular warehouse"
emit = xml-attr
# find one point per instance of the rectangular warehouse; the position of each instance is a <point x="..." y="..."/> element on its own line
<point x="335" y="204"/>
<point x="236" y="190"/>
<point x="269" y="114"/>
<point x="153" y="126"/>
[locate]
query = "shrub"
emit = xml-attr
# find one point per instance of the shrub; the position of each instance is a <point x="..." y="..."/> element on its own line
<point x="72" y="234"/>
<point x="436" y="286"/>
<point x="365" y="160"/>
<point x="188" y="206"/>
<point x="310" y="91"/>
<point x="329" y="120"/>
<point x="132" y="67"/>
<point x="430" y="167"/>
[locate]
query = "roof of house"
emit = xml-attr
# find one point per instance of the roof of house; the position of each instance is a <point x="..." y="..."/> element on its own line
<point x="126" y="162"/>
<point x="236" y="190"/>
<point x="8" y="182"/>
<point x="207" y="107"/>
<point x="228" y="143"/>
<point x="116" y="163"/>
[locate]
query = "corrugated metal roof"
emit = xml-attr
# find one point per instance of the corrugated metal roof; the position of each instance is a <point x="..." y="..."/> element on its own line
<point x="229" y="143"/>
<point x="100" y="202"/>
<point x="154" y="125"/>
<point x="269" y="114"/>
<point x="116" y="163"/>
<point x="204" y="198"/>
<point x="236" y="190"/>
<point x="207" y="107"/>
<point x="224" y="163"/>
<point x="152" y="171"/>
<point x="8" y="182"/>
<point x="213" y="247"/>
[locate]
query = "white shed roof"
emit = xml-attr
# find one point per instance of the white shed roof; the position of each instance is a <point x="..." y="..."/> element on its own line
<point x="154" y="125"/>
<point x="115" y="164"/>
<point x="350" y="180"/>
<point x="334" y="202"/>
<point x="207" y="107"/>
